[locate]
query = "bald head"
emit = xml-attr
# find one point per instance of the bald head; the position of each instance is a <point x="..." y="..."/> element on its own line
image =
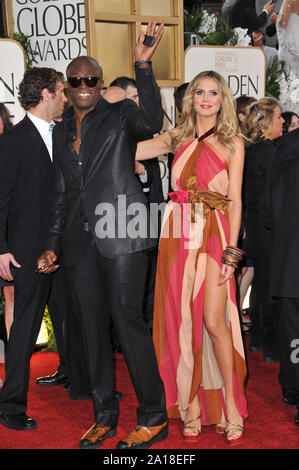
<point x="81" y="60"/>
<point x="84" y="75"/>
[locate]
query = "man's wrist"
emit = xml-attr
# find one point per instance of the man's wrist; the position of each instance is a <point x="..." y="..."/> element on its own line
<point x="142" y="63"/>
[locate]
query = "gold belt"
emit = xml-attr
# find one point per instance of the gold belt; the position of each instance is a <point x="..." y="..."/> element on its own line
<point x="210" y="200"/>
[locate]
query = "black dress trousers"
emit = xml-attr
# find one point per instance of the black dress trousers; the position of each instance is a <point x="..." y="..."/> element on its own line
<point x="31" y="295"/>
<point x="59" y="304"/>
<point x="76" y="348"/>
<point x="266" y="324"/>
<point x="114" y="289"/>
<point x="288" y="328"/>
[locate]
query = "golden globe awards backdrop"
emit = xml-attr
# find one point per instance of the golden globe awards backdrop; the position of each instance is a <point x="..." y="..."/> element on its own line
<point x="56" y="30"/>
<point x="12" y="70"/>
<point x="242" y="67"/>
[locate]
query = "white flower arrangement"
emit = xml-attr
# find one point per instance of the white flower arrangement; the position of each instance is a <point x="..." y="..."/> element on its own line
<point x="243" y="38"/>
<point x="208" y="23"/>
<point x="289" y="90"/>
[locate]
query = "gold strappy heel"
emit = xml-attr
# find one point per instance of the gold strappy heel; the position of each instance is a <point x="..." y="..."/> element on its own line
<point x="220" y="428"/>
<point x="189" y="437"/>
<point x="234" y="428"/>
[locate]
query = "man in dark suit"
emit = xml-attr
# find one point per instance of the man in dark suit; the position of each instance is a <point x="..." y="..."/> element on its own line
<point x="242" y="13"/>
<point x="260" y="156"/>
<point x="281" y="213"/>
<point x="287" y="146"/>
<point x="25" y="190"/>
<point x="149" y="176"/>
<point x="94" y="149"/>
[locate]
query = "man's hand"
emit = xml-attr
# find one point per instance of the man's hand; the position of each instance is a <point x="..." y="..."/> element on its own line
<point x="114" y="94"/>
<point x="5" y="261"/>
<point x="143" y="52"/>
<point x="45" y="263"/>
<point x="269" y="7"/>
<point x="139" y="168"/>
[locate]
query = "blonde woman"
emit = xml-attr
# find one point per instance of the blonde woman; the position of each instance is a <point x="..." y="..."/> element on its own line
<point x="263" y="123"/>
<point x="196" y="324"/>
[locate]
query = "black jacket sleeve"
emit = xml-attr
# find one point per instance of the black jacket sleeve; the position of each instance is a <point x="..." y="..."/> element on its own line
<point x="8" y="177"/>
<point x="147" y="119"/>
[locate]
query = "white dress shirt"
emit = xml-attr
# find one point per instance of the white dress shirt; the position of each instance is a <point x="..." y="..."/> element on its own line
<point x="45" y="129"/>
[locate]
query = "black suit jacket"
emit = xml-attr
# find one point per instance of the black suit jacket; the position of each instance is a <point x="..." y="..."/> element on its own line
<point x="242" y="13"/>
<point x="281" y="218"/>
<point x="258" y="160"/>
<point x="107" y="178"/>
<point x="287" y="146"/>
<point x="25" y="187"/>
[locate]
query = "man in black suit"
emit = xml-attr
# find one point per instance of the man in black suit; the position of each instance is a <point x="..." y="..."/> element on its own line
<point x="260" y="156"/>
<point x="149" y="176"/>
<point x="287" y="146"/>
<point x="281" y="214"/>
<point x="242" y="13"/>
<point x="94" y="149"/>
<point x="25" y="190"/>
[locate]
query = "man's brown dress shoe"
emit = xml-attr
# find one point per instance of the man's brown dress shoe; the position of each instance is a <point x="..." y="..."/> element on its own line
<point x="143" y="437"/>
<point x="95" y="436"/>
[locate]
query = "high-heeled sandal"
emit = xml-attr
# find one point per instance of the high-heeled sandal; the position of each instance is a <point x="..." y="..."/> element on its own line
<point x="190" y="437"/>
<point x="220" y="428"/>
<point x="234" y="428"/>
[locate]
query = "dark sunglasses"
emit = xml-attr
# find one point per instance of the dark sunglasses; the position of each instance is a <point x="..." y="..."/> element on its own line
<point x="75" y="82"/>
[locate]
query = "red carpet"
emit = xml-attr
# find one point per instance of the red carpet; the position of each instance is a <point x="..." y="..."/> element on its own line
<point x="61" y="421"/>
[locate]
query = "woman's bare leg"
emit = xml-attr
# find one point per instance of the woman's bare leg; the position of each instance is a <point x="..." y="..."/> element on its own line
<point x="194" y="413"/>
<point x="215" y="323"/>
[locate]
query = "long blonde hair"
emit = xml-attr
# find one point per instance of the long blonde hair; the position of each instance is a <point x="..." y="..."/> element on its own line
<point x="227" y="125"/>
<point x="258" y="119"/>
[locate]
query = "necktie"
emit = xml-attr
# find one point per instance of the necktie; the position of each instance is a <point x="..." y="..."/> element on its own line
<point x="49" y="138"/>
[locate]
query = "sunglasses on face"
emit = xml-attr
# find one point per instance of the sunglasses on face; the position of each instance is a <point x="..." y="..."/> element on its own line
<point x="75" y="82"/>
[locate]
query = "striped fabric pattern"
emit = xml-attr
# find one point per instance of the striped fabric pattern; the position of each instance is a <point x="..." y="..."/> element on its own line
<point x="184" y="349"/>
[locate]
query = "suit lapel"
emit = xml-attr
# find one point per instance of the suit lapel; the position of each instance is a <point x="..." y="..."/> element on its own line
<point x="37" y="139"/>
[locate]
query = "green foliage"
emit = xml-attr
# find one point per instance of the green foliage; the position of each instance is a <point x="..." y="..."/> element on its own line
<point x="274" y="72"/>
<point x="193" y="19"/>
<point x="30" y="54"/>
<point x="51" y="346"/>
<point x="222" y="35"/>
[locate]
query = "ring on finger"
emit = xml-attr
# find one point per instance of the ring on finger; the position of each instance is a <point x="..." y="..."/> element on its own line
<point x="149" y="40"/>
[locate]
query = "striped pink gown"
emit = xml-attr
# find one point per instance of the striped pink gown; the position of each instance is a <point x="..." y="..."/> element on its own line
<point x="184" y="350"/>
